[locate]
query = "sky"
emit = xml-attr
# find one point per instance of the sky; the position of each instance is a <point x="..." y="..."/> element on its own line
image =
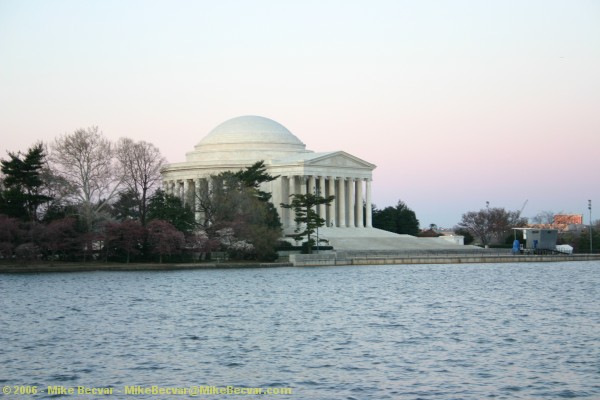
<point x="457" y="103"/>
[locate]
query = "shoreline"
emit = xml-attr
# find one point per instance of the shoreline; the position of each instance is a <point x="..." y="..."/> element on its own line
<point x="95" y="267"/>
<point x="307" y="260"/>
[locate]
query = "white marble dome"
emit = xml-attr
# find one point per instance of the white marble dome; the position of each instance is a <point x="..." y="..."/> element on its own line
<point x="247" y="138"/>
<point x="251" y="129"/>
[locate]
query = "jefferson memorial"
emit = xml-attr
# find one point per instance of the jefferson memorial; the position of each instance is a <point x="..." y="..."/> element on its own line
<point x="242" y="141"/>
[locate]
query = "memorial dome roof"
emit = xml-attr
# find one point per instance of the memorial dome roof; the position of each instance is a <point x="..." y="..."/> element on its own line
<point x="247" y="138"/>
<point x="251" y="129"/>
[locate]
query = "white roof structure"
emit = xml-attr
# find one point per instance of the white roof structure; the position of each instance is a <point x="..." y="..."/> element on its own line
<point x="241" y="141"/>
<point x="247" y="139"/>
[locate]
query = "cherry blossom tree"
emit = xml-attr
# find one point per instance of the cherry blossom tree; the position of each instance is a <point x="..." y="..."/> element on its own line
<point x="10" y="234"/>
<point x="124" y="237"/>
<point x="164" y="239"/>
<point x="58" y="236"/>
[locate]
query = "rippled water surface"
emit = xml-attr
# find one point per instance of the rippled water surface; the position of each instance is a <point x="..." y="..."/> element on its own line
<point x="471" y="331"/>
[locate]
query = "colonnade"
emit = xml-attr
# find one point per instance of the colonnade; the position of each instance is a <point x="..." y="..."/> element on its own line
<point x="351" y="207"/>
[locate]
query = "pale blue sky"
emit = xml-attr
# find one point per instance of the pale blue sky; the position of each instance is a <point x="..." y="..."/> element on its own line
<point x="456" y="102"/>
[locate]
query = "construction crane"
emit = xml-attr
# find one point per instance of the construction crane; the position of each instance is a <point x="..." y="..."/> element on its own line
<point x="522" y="208"/>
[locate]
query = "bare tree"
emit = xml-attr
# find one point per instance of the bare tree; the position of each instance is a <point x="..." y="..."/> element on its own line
<point x="543" y="217"/>
<point x="140" y="165"/>
<point x="491" y="224"/>
<point x="85" y="159"/>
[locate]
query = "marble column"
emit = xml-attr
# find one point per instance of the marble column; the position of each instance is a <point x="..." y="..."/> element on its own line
<point x="186" y="191"/>
<point x="292" y="190"/>
<point x="342" y="202"/>
<point x="368" y="207"/>
<point x="303" y="190"/>
<point x="179" y="188"/>
<point x="197" y="190"/>
<point x="359" y="203"/>
<point x="283" y="187"/>
<point x="312" y="186"/>
<point x="302" y="184"/>
<point x="351" y="202"/>
<point x="322" y="207"/>
<point x="331" y="209"/>
<point x="275" y="187"/>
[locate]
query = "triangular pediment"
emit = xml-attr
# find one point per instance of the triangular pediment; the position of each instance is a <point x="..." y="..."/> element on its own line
<point x="338" y="159"/>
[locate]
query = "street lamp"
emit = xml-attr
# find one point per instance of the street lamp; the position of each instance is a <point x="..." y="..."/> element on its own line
<point x="590" y="208"/>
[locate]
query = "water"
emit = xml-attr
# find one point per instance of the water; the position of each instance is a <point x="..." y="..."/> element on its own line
<point x="470" y="331"/>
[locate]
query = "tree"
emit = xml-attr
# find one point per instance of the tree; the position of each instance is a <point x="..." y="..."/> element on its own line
<point x="491" y="224"/>
<point x="22" y="194"/>
<point x="126" y="206"/>
<point x="231" y="191"/>
<point x="237" y="208"/>
<point x="233" y="204"/>
<point x="125" y="237"/>
<point x="581" y="242"/>
<point x="306" y="216"/>
<point x="164" y="239"/>
<point x="166" y="207"/>
<point x="86" y="162"/>
<point x="140" y="164"/>
<point x="543" y="217"/>
<point x="58" y="236"/>
<point x="10" y="235"/>
<point x="467" y="237"/>
<point x="399" y="219"/>
<point x="254" y="176"/>
<point x="61" y="204"/>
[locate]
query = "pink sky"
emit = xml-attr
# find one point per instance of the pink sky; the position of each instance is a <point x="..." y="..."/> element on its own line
<point x="457" y="103"/>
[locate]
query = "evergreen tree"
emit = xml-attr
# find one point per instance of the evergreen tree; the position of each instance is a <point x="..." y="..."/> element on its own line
<point x="252" y="177"/>
<point x="164" y="206"/>
<point x="22" y="195"/>
<point x="126" y="206"/>
<point x="306" y="216"/>
<point x="236" y="207"/>
<point x="399" y="219"/>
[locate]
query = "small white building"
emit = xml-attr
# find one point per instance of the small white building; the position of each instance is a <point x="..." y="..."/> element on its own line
<point x="539" y="239"/>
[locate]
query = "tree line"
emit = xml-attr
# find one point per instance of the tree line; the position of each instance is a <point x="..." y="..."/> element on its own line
<point x="83" y="196"/>
<point x="493" y="226"/>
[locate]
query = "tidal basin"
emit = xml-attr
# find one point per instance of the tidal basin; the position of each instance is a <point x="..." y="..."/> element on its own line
<point x="453" y="331"/>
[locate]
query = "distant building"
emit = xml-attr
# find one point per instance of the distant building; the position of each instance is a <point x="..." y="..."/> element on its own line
<point x="563" y="223"/>
<point x="539" y="239"/>
<point x="568" y="222"/>
<point x="567" y="219"/>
